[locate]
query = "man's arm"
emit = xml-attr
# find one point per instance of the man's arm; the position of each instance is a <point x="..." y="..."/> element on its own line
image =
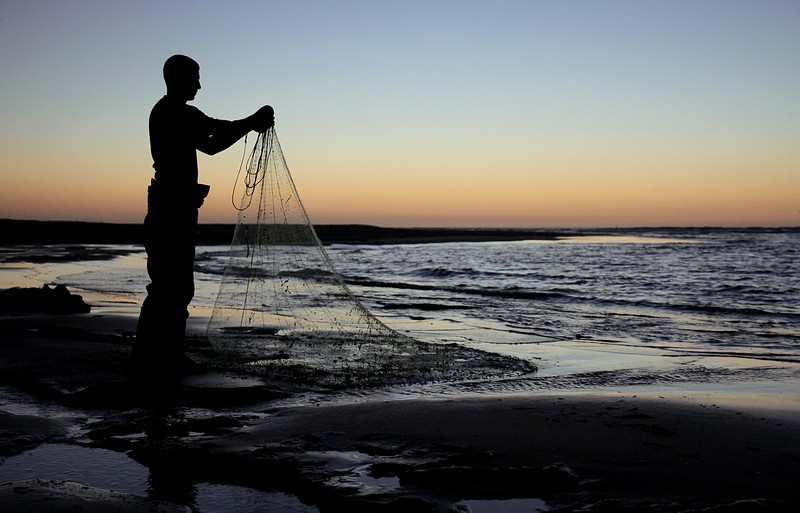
<point x="226" y="133"/>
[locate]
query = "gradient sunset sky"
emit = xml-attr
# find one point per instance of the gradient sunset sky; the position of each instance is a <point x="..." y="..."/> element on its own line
<point x="420" y="113"/>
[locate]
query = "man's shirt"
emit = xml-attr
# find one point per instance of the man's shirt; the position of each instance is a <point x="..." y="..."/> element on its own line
<point x="176" y="132"/>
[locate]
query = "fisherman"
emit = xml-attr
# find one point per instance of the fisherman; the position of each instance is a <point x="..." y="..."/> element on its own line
<point x="177" y="131"/>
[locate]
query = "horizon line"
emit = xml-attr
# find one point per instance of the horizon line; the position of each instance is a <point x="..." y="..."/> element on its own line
<point x="445" y="227"/>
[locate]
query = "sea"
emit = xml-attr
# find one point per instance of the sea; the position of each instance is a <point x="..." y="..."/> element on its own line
<point x="594" y="309"/>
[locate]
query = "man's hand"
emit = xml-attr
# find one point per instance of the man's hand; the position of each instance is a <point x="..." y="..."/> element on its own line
<point x="264" y="119"/>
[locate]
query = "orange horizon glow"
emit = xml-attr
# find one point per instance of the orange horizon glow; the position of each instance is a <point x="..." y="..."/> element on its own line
<point x="565" y="195"/>
<point x="537" y="202"/>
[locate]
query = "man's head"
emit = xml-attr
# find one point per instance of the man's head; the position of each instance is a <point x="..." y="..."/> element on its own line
<point x="182" y="75"/>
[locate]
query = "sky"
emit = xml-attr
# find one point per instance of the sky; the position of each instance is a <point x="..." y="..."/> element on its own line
<point x="492" y="113"/>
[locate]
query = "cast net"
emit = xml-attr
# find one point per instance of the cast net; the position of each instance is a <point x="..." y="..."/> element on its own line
<point x="284" y="310"/>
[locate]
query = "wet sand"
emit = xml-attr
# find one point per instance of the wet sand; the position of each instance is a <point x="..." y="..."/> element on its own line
<point x="608" y="450"/>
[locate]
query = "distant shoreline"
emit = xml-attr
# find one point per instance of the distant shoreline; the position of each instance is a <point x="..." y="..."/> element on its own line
<point x="79" y="232"/>
<point x="14" y="231"/>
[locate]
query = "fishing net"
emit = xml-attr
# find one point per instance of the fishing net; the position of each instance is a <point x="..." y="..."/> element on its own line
<point x="284" y="310"/>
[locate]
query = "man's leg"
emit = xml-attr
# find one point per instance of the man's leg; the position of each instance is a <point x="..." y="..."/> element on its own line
<point x="169" y="242"/>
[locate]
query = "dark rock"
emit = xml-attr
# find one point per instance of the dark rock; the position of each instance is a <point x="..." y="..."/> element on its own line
<point x="56" y="300"/>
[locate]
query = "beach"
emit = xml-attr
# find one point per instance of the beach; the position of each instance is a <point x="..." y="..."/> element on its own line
<point x="606" y="451"/>
<point x="455" y="447"/>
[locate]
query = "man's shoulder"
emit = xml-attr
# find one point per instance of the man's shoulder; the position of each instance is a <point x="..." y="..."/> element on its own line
<point x="174" y="115"/>
<point x="166" y="105"/>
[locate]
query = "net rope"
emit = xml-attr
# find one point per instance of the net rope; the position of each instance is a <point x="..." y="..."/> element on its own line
<point x="284" y="310"/>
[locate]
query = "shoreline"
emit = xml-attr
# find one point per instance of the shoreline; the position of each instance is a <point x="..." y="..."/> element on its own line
<point x="628" y="449"/>
<point x="77" y="232"/>
<point x="19" y="232"/>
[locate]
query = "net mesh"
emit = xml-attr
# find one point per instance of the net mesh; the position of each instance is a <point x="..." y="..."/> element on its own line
<point x="284" y="310"/>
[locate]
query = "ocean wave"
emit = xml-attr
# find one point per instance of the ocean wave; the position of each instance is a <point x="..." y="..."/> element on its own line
<point x="441" y="272"/>
<point x="776" y="312"/>
<point x="780" y="309"/>
<point x="463" y="272"/>
<point x="509" y="293"/>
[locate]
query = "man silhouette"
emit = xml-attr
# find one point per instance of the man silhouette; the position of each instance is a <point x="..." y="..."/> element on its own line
<point x="177" y="131"/>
